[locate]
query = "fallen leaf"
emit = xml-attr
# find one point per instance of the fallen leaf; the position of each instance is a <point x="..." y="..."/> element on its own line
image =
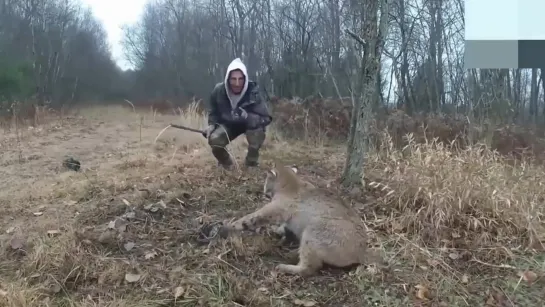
<point x="150" y="255"/>
<point x="178" y="292"/>
<point x="422" y="292"/>
<point x="106" y="236"/>
<point x="148" y="207"/>
<point x="16" y="243"/>
<point x="39" y="213"/>
<point x="454" y="256"/>
<point x="52" y="233"/>
<point x="396" y="226"/>
<point x="162" y="204"/>
<point x="119" y="223"/>
<point x="128" y="246"/>
<point x="304" y="303"/>
<point x="132" y="278"/>
<point x="465" y="279"/>
<point x="111" y="225"/>
<point x="126" y="202"/>
<point x="528" y="276"/>
<point x="56" y="288"/>
<point x="129" y="215"/>
<point x="122" y="228"/>
<point x="433" y="262"/>
<point x="10" y="230"/>
<point x="497" y="299"/>
<point x="490" y="301"/>
<point x="3" y="293"/>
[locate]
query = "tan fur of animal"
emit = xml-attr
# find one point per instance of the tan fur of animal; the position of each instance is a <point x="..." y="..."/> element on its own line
<point x="328" y="231"/>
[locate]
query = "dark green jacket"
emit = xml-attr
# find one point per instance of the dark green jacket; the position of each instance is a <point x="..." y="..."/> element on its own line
<point x="219" y="106"/>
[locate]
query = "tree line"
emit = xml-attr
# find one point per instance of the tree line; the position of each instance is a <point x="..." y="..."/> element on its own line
<point x="55" y="51"/>
<point x="180" y="48"/>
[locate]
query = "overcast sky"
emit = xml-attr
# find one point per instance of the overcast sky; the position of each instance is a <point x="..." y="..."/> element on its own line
<point x="113" y="14"/>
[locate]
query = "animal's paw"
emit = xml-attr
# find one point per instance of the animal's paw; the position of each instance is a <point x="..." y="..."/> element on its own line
<point x="280" y="230"/>
<point x="226" y="223"/>
<point x="232" y="225"/>
<point x="242" y="224"/>
<point x="282" y="268"/>
<point x="294" y="270"/>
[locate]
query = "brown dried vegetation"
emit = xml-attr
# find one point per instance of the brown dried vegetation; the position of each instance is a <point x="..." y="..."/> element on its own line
<point x="460" y="225"/>
<point x="321" y="119"/>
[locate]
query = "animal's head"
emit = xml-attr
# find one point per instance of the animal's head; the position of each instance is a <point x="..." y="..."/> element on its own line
<point x="281" y="178"/>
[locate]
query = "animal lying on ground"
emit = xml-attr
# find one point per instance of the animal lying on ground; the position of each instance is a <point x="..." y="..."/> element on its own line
<point x="329" y="232"/>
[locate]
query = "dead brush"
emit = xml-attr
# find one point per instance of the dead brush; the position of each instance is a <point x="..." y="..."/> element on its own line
<point x="20" y="295"/>
<point x="465" y="199"/>
<point x="52" y="255"/>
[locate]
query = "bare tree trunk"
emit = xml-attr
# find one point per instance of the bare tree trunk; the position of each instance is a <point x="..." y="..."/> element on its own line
<point x="361" y="113"/>
<point x="542" y="73"/>
<point x="534" y="92"/>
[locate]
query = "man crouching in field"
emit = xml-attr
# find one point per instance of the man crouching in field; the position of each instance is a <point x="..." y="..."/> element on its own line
<point x="235" y="107"/>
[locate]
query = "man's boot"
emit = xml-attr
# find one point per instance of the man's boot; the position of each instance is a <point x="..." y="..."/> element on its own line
<point x="252" y="157"/>
<point x="223" y="157"/>
<point x="255" y="141"/>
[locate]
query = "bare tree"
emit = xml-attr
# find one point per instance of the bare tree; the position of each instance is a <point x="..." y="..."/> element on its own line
<point x="373" y="40"/>
<point x="180" y="49"/>
<point x="57" y="52"/>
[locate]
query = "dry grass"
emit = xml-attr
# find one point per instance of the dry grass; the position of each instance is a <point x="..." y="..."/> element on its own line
<point x="125" y="230"/>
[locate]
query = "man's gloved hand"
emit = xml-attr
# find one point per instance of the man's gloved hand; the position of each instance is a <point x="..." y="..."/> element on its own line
<point x="239" y="115"/>
<point x="208" y="130"/>
<point x="254" y="121"/>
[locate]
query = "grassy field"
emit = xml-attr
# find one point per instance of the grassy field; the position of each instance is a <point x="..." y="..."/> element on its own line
<point x="458" y="229"/>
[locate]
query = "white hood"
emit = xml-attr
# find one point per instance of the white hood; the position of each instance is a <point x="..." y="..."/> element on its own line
<point x="236" y="64"/>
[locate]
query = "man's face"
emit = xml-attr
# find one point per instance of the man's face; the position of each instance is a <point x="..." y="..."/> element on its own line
<point x="236" y="81"/>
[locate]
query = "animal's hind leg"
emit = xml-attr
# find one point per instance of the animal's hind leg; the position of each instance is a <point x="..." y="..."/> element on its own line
<point x="309" y="260"/>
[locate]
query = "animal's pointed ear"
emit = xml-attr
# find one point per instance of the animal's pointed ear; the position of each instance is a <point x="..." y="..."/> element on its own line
<point x="294" y="168"/>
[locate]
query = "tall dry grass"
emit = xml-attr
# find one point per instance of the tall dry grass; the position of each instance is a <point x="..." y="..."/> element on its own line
<point x="465" y="199"/>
